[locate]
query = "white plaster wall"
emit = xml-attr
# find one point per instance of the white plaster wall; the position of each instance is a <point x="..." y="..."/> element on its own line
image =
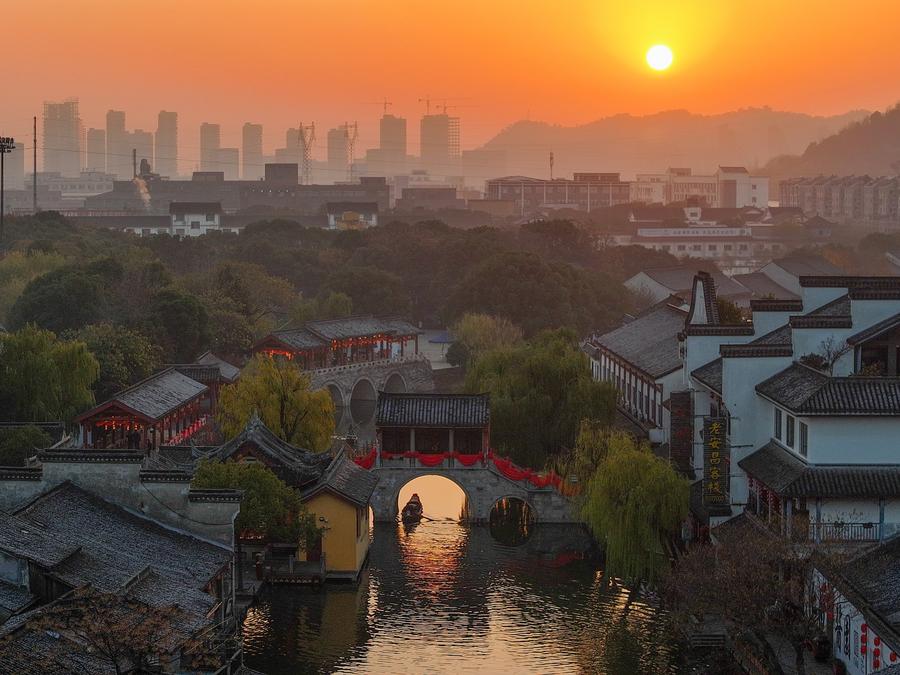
<point x="766" y="322"/>
<point x="813" y="298"/>
<point x="851" y="439"/>
<point x="751" y="415"/>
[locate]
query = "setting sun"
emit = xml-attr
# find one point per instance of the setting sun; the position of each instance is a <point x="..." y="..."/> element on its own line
<point x="659" y="57"/>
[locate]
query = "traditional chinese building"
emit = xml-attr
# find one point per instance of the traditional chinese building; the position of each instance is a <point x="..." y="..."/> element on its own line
<point x="334" y="489"/>
<point x="339" y="342"/>
<point x="165" y="408"/>
<point x="433" y="424"/>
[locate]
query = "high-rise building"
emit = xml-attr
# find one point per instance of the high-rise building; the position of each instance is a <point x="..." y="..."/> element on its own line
<point x="141" y="147"/>
<point x="210" y="142"/>
<point x="62" y="137"/>
<point x="228" y="161"/>
<point x="252" y="152"/>
<point x="338" y="161"/>
<point x="439" y="144"/>
<point x="95" y="150"/>
<point x="118" y="150"/>
<point x="14" y="168"/>
<point x="390" y="157"/>
<point x="166" y="149"/>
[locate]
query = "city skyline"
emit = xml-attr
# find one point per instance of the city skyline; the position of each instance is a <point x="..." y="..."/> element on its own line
<point x="596" y="68"/>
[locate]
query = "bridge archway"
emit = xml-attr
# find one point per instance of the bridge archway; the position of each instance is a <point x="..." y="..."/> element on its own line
<point x="386" y="500"/>
<point x="395" y="384"/>
<point x="337" y="396"/>
<point x="362" y="401"/>
<point x="442" y="497"/>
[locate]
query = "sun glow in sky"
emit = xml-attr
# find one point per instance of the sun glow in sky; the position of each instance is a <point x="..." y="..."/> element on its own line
<point x="280" y="62"/>
<point x="659" y="57"/>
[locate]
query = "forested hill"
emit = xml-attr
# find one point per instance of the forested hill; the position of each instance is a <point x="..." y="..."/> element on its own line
<point x="649" y="143"/>
<point x="870" y="146"/>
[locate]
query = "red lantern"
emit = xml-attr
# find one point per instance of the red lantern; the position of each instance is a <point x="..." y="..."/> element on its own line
<point x="863" y="648"/>
<point x="876" y="664"/>
<point x="876" y="640"/>
<point x="876" y="652"/>
<point x="829" y="615"/>
<point x="864" y="628"/>
<point x="893" y="657"/>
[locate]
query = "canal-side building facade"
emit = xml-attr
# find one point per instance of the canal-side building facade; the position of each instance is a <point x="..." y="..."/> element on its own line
<point x="641" y="360"/>
<point x="809" y="400"/>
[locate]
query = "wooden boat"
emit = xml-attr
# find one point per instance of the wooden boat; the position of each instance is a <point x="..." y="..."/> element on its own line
<point x="412" y="512"/>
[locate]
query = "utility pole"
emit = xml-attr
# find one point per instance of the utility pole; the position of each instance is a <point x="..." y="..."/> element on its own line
<point x="307" y="137"/>
<point x="134" y="162"/>
<point x="352" y="134"/>
<point x="551" y="165"/>
<point x="34" y="169"/>
<point x="7" y="144"/>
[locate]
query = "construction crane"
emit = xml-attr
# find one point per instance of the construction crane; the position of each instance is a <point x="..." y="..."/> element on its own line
<point x="307" y="138"/>
<point x="385" y="103"/>
<point x="427" y="102"/>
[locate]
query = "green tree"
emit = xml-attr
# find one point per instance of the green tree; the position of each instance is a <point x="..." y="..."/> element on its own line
<point x="540" y="391"/>
<point x="373" y="290"/>
<point x="65" y="298"/>
<point x="180" y="323"/>
<point x="269" y="506"/>
<point x="633" y="502"/>
<point x="327" y="305"/>
<point x="729" y="313"/>
<point x="20" y="443"/>
<point x="125" y="356"/>
<point x="43" y="378"/>
<point x="280" y="393"/>
<point x="480" y="333"/>
<point x="18" y="269"/>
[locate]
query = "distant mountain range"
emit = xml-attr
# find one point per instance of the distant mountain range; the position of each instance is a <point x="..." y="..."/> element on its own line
<point x="868" y="146"/>
<point x="651" y="143"/>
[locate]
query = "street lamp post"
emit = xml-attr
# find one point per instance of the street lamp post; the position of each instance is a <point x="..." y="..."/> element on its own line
<point x="7" y="144"/>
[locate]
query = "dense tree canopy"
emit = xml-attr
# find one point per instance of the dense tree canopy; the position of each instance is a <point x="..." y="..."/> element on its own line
<point x="279" y="392"/>
<point x="20" y="443"/>
<point x="125" y="356"/>
<point x="43" y="378"/>
<point x="540" y="392"/>
<point x="269" y="507"/>
<point x="477" y="334"/>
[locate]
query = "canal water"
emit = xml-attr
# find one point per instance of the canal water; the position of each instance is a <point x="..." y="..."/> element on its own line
<point x="441" y="597"/>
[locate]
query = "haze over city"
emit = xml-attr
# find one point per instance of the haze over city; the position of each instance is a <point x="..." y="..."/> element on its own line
<point x="403" y="336"/>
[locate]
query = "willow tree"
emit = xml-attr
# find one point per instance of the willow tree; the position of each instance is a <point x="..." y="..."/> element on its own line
<point x="43" y="378"/>
<point x="281" y="394"/>
<point x="634" y="502"/>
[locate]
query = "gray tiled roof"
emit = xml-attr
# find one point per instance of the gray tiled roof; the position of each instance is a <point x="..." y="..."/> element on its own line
<point x="299" y="338"/>
<point x="649" y="342"/>
<point x="114" y="545"/>
<point x="837" y="307"/>
<point x="347" y="479"/>
<point x="680" y="279"/>
<point x="295" y="466"/>
<point x="788" y="475"/>
<point x="14" y="598"/>
<point x="875" y="576"/>
<point x="874" y="330"/>
<point x="433" y="410"/>
<point x="762" y="286"/>
<point x="228" y="371"/>
<point x="710" y="375"/>
<point x="807" y="265"/>
<point x="21" y="539"/>
<point x="779" y="336"/>
<point x="807" y="391"/>
<point x="360" y="326"/>
<point x="159" y="394"/>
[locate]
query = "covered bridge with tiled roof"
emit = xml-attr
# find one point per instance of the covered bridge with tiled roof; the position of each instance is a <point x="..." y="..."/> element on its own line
<point x="338" y="342"/>
<point x="164" y="408"/>
<point x="433" y="423"/>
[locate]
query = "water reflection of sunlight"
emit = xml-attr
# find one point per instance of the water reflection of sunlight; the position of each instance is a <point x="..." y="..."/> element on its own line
<point x="441" y="497"/>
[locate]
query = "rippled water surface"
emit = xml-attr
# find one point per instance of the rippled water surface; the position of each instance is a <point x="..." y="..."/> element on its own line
<point x="448" y="598"/>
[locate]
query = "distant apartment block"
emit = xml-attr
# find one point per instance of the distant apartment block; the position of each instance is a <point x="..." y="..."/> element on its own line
<point x="95" y="150"/>
<point x="859" y="199"/>
<point x="252" y="151"/>
<point x="439" y="150"/>
<point x="729" y="187"/>
<point x="166" y="147"/>
<point x="584" y="192"/>
<point x="210" y="142"/>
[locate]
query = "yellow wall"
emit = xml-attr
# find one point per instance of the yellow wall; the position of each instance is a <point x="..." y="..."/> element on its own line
<point x="344" y="550"/>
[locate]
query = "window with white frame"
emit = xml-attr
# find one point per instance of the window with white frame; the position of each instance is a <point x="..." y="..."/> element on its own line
<point x="778" y="424"/>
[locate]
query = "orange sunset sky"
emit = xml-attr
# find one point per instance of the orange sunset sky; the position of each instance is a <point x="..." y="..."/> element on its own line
<point x="566" y="61"/>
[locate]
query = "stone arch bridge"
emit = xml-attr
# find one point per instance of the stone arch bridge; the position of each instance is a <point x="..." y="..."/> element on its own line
<point x="358" y="382"/>
<point x="482" y="484"/>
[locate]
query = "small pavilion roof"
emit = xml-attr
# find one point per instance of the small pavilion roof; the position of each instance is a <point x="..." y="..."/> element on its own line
<point x="347" y="480"/>
<point x="433" y="410"/>
<point x="359" y="326"/>
<point x="295" y="466"/>
<point x="155" y="397"/>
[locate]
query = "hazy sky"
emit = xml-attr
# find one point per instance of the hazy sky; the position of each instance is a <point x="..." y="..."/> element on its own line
<point x="566" y="61"/>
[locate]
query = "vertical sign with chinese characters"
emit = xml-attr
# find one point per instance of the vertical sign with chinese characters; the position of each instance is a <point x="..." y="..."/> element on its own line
<point x="681" y="430"/>
<point x="716" y="458"/>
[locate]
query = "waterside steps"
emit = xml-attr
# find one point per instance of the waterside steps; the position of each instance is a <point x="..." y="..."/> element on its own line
<point x="709" y="633"/>
<point x="281" y="571"/>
